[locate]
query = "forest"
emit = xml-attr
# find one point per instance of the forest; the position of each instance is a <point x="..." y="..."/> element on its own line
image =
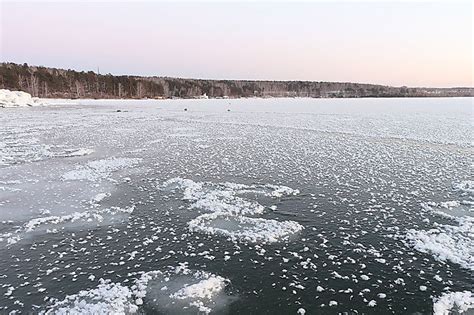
<point x="59" y="83"/>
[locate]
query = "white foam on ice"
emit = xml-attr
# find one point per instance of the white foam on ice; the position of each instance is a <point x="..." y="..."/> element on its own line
<point x="17" y="98"/>
<point x="230" y="210"/>
<point x="107" y="298"/>
<point x="450" y="302"/>
<point x="246" y="229"/>
<point x="100" y="169"/>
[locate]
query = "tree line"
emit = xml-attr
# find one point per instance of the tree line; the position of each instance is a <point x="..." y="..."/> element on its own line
<point x="59" y="83"/>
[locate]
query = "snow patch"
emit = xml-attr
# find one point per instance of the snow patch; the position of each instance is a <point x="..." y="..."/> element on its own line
<point x="107" y="298"/>
<point x="241" y="228"/>
<point x="181" y="290"/>
<point x="78" y="152"/>
<point x="465" y="186"/>
<point x="460" y="302"/>
<point x="178" y="290"/>
<point x="100" y="169"/>
<point x="447" y="242"/>
<point x="225" y="197"/>
<point x="230" y="209"/>
<point x="99" y="197"/>
<point x="53" y="224"/>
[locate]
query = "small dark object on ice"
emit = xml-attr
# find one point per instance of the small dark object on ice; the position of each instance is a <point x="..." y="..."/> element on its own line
<point x="119" y="110"/>
<point x="228" y="110"/>
<point x="185" y="109"/>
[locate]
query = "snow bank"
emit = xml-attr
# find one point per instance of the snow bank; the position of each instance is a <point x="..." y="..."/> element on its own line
<point x="230" y="210"/>
<point x="17" y="98"/>
<point x="454" y="301"/>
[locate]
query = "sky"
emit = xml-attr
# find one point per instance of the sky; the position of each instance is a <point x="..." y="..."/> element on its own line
<point x="417" y="43"/>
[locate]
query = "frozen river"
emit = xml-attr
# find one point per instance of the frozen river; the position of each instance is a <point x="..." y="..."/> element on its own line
<point x="249" y="206"/>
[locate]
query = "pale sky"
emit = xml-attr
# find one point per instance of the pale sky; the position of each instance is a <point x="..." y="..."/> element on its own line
<point x="393" y="43"/>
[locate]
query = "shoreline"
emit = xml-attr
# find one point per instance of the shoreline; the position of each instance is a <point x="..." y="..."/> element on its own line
<point x="248" y="98"/>
<point x="60" y="83"/>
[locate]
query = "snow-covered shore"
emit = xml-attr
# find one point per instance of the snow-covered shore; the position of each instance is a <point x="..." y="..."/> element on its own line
<point x="17" y="98"/>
